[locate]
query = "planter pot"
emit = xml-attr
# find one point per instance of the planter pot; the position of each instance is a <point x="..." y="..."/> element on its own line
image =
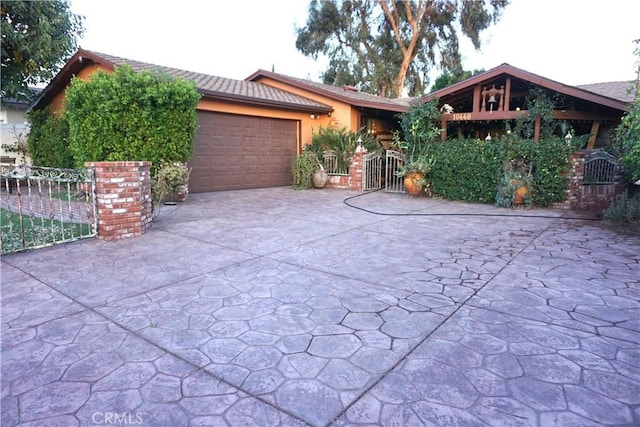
<point x="413" y="183"/>
<point x="320" y="178"/>
<point x="521" y="192"/>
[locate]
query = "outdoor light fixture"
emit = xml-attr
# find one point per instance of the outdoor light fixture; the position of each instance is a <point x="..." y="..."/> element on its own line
<point x="359" y="148"/>
<point x="488" y="138"/>
<point x="568" y="137"/>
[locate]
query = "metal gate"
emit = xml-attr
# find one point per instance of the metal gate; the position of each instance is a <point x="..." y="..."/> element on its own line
<point x="372" y="171"/>
<point x="600" y="167"/>
<point x="392" y="182"/>
<point x="42" y="206"/>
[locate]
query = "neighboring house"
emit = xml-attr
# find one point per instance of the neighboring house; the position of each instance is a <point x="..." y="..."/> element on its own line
<point x="480" y="105"/>
<point x="249" y="132"/>
<point x="13" y="131"/>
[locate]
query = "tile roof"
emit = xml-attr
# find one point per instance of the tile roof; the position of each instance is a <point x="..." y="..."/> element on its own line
<point x="209" y="86"/>
<point x="224" y="87"/>
<point x="346" y="94"/>
<point x="622" y="91"/>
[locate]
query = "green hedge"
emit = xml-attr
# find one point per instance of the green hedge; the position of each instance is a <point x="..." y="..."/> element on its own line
<point x="127" y="115"/>
<point x="471" y="169"/>
<point x="47" y="140"/>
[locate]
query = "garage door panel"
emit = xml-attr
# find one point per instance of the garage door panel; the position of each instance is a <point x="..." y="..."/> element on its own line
<point x="237" y="152"/>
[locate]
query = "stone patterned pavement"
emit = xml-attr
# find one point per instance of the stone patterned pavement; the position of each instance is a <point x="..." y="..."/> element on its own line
<point x="277" y="307"/>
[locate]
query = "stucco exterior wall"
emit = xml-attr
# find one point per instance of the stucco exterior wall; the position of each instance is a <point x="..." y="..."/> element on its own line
<point x="84" y="74"/>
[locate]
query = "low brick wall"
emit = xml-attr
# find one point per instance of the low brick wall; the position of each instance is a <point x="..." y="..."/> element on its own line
<point x="588" y="197"/>
<point x="123" y="197"/>
<point x="353" y="181"/>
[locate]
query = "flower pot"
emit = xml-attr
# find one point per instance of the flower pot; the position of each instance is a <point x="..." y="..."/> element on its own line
<point x="413" y="183"/>
<point x="320" y="178"/>
<point x="521" y="192"/>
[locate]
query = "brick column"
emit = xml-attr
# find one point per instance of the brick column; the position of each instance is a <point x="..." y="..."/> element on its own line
<point x="123" y="196"/>
<point x="355" y="170"/>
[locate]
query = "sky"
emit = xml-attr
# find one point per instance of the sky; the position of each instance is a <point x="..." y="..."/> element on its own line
<point x="571" y="41"/>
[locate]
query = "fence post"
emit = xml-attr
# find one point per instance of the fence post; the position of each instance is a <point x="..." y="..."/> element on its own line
<point x="355" y="169"/>
<point x="123" y="198"/>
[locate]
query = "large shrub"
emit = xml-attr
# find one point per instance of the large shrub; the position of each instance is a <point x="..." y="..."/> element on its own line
<point x="126" y="115"/>
<point x="47" y="140"/>
<point x="627" y="139"/>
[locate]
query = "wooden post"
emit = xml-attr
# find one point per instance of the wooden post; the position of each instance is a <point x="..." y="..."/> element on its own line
<point x="595" y="127"/>
<point x="536" y="130"/>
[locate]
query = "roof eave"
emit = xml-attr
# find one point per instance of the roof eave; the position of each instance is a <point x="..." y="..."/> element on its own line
<point x="327" y="93"/>
<point x="530" y="77"/>
<point x="260" y="102"/>
<point x="77" y="62"/>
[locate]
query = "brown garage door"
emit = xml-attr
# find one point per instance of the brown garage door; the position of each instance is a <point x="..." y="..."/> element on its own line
<point x="232" y="152"/>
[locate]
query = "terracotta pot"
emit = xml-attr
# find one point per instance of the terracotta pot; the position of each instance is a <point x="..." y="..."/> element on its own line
<point x="520" y="193"/>
<point x="320" y="178"/>
<point x="413" y="183"/>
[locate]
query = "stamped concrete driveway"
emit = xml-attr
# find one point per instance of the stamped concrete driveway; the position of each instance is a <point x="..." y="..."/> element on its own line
<point x="278" y="307"/>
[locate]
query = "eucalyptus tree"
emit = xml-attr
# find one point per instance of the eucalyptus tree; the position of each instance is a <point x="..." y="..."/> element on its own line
<point x="388" y="47"/>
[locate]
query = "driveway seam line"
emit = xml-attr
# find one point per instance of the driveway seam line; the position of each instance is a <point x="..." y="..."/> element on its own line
<point x="413" y="349"/>
<point x="166" y="351"/>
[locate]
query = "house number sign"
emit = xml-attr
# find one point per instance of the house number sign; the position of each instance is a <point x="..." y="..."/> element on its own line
<point x="461" y="116"/>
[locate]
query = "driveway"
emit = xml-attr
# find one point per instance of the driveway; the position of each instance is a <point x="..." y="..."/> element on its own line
<point x="278" y="307"/>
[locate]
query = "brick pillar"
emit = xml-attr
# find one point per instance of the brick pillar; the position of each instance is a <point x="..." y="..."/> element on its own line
<point x="123" y="196"/>
<point x="355" y="169"/>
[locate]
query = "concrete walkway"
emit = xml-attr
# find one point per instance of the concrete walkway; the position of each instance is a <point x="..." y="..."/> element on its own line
<point x="277" y="307"/>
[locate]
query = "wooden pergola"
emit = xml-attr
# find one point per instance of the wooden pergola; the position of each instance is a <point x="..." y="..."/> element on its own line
<point x="481" y="104"/>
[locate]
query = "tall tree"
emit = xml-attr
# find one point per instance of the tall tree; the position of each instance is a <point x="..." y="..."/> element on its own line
<point x="447" y="79"/>
<point x="37" y="37"/>
<point x="389" y="46"/>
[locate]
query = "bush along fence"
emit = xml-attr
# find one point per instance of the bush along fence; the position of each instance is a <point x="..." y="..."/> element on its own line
<point x="472" y="170"/>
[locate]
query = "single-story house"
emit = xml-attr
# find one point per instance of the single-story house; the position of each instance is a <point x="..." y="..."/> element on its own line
<point x="14" y="129"/>
<point x="479" y="106"/>
<point x="249" y="130"/>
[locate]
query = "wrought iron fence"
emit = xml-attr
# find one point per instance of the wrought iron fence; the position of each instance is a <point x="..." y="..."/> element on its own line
<point x="600" y="167"/>
<point x="394" y="183"/>
<point x="372" y="165"/>
<point x="42" y="206"/>
<point x="332" y="163"/>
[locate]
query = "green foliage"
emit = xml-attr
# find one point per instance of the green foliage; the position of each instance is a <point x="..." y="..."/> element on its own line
<point x="47" y="141"/>
<point x="18" y="233"/>
<point x="538" y="104"/>
<point x="131" y="116"/>
<point x="302" y="168"/>
<point x="37" y="36"/>
<point x="466" y="169"/>
<point x="476" y="171"/>
<point x="448" y="78"/>
<point x="627" y="134"/>
<point x="624" y="209"/>
<point x="168" y="180"/>
<point x="388" y="47"/>
<point x="342" y="142"/>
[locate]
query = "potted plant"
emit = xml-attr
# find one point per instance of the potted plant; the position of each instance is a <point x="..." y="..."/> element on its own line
<point x="304" y="167"/>
<point x="415" y="172"/>
<point x="171" y="183"/>
<point x="513" y="188"/>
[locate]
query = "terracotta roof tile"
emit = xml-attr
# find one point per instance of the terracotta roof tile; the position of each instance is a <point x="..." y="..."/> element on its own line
<point x="224" y="87"/>
<point x="346" y="94"/>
